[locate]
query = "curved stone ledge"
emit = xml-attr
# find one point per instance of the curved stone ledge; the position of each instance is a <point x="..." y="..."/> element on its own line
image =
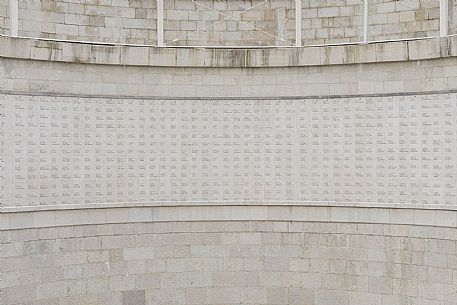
<point x="137" y="55"/>
<point x="274" y="212"/>
<point x="34" y="208"/>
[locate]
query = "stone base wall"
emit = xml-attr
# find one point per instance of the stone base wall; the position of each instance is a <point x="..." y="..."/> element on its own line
<point x="249" y="262"/>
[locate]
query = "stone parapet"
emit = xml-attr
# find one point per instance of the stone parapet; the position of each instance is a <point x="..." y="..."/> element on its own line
<point x="136" y="55"/>
<point x="31" y="218"/>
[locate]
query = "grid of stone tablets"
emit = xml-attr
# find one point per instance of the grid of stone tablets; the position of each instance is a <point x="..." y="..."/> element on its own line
<point x="373" y="149"/>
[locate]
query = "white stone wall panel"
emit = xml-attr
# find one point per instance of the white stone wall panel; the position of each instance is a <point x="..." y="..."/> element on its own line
<point x="69" y="150"/>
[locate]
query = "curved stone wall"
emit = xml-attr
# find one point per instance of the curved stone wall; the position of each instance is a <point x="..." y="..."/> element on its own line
<point x="141" y="175"/>
<point x="232" y="255"/>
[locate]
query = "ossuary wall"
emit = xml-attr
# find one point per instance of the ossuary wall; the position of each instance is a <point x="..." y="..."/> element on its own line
<point x="70" y="150"/>
<point x="142" y="175"/>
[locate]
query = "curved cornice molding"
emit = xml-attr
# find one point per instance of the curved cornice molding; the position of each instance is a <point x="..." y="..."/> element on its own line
<point x="434" y="216"/>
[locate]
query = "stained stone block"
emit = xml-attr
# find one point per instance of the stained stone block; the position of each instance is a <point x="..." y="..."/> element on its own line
<point x="133" y="297"/>
<point x="331" y="297"/>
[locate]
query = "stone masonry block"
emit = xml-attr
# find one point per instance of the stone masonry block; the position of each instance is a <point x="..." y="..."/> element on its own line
<point x="133" y="297"/>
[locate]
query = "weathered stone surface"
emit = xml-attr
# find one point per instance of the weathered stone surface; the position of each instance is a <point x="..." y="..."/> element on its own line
<point x="93" y="53"/>
<point x="133" y="297"/>
<point x="235" y="23"/>
<point x="231" y="277"/>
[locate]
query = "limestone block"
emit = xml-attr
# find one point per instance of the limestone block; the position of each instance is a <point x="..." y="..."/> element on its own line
<point x="72" y="272"/>
<point x="18" y="294"/>
<point x="138" y="253"/>
<point x="67" y="29"/>
<point x="195" y="295"/>
<point x="221" y="295"/>
<point x="92" y="243"/>
<point x="304" y="280"/>
<point x="19" y="220"/>
<point x="424" y="217"/>
<point x="257" y="295"/>
<point x="165" y="296"/>
<point x="401" y="216"/>
<point x="364" y="298"/>
<point x="72" y="258"/>
<point x="133" y="297"/>
<point x="301" y="296"/>
<point x="446" y="218"/>
<point x="51" y="290"/>
<point x="97" y="285"/>
<point x="277" y="295"/>
<point x="77" y="18"/>
<point x="379" y="284"/>
<point x="327" y="12"/>
<point x="75" y="8"/>
<point x="224" y="279"/>
<point x="121" y="283"/>
<point x="177" y="14"/>
<point x="331" y="297"/>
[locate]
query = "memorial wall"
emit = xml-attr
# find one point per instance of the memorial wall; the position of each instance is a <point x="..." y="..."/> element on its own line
<point x="77" y="150"/>
<point x="142" y="175"/>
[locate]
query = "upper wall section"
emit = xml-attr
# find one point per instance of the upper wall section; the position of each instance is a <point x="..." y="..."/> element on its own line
<point x="126" y="21"/>
<point x="4" y="20"/>
<point x="42" y="66"/>
<point x="116" y="70"/>
<point x="227" y="22"/>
